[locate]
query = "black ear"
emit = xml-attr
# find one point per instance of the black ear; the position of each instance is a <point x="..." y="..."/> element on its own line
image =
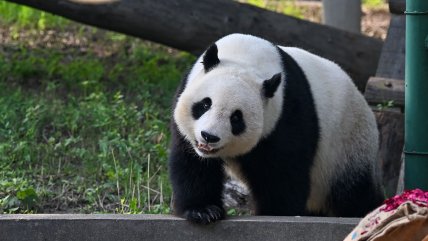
<point x="271" y="85"/>
<point x="210" y="59"/>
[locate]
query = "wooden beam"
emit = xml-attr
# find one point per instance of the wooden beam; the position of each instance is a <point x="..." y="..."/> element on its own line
<point x="192" y="25"/>
<point x="380" y="90"/>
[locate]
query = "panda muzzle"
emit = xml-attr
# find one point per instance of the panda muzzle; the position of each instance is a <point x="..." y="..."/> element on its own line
<point x="205" y="148"/>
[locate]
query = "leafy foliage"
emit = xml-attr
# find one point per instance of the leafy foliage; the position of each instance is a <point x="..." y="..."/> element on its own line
<point x="19" y="195"/>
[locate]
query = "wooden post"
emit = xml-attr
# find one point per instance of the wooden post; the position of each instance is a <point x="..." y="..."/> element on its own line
<point x="343" y="14"/>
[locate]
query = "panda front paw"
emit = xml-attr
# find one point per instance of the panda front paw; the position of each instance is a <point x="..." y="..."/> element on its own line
<point x="205" y="215"/>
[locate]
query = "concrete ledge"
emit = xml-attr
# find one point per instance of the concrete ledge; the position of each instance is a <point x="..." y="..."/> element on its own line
<point x="107" y="227"/>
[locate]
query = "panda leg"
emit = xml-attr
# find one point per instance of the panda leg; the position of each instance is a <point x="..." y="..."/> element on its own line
<point x="276" y="188"/>
<point x="355" y="193"/>
<point x="281" y="200"/>
<point x="197" y="185"/>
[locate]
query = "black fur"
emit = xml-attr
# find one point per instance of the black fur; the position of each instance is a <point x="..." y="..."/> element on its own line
<point x="210" y="59"/>
<point x="197" y="183"/>
<point x="354" y="193"/>
<point x="271" y="85"/>
<point x="209" y="138"/>
<point x="199" y="108"/>
<point x="237" y="122"/>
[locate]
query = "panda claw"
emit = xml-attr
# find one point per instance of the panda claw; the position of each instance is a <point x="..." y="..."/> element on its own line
<point x="205" y="215"/>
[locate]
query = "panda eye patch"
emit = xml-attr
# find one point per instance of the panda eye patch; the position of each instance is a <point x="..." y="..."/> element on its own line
<point x="199" y="108"/>
<point x="237" y="122"/>
<point x="236" y="116"/>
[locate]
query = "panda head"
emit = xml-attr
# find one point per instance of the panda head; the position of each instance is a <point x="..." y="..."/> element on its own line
<point x="221" y="112"/>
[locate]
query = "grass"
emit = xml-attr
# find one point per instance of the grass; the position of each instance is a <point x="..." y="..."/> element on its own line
<point x="70" y="127"/>
<point x="373" y="3"/>
<point x="21" y="16"/>
<point x="82" y="131"/>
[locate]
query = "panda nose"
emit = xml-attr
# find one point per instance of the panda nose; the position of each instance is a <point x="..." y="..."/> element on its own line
<point x="209" y="138"/>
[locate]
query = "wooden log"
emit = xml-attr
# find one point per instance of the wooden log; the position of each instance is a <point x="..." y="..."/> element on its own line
<point x="192" y="25"/>
<point x="391" y="130"/>
<point x="380" y="90"/>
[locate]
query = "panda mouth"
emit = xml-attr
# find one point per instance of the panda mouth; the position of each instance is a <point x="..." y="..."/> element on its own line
<point x="206" y="149"/>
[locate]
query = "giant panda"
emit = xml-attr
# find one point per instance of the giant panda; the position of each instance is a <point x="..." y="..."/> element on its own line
<point x="290" y="125"/>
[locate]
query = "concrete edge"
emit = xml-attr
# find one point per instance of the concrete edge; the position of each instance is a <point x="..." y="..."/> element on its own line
<point x="112" y="227"/>
<point x="146" y="217"/>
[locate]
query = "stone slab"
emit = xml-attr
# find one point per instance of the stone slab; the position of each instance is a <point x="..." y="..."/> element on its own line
<point x="108" y="227"/>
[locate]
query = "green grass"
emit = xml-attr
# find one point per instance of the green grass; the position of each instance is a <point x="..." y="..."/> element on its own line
<point x="22" y="16"/>
<point x="80" y="132"/>
<point x="373" y="3"/>
<point x="96" y="128"/>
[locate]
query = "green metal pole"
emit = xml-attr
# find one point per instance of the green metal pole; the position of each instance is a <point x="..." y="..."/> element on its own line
<point x="416" y="102"/>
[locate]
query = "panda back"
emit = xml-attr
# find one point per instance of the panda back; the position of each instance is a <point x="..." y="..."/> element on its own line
<point x="348" y="133"/>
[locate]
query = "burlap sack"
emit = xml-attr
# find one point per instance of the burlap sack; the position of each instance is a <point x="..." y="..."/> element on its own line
<point x="408" y="222"/>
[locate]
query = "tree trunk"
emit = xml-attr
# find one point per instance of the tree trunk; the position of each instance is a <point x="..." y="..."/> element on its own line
<point x="192" y="25"/>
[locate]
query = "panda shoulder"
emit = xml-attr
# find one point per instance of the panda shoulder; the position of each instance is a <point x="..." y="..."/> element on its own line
<point x="305" y="58"/>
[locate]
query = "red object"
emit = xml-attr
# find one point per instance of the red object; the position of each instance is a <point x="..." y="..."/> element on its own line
<point x="417" y="196"/>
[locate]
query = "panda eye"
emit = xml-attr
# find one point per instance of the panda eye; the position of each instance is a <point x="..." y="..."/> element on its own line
<point x="199" y="108"/>
<point x="206" y="103"/>
<point x="237" y="122"/>
<point x="236" y="116"/>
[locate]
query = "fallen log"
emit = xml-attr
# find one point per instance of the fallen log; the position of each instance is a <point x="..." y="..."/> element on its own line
<point x="192" y="25"/>
<point x="380" y="90"/>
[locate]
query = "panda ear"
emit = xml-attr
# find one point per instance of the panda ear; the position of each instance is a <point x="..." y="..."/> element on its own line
<point x="271" y="85"/>
<point x="210" y="59"/>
